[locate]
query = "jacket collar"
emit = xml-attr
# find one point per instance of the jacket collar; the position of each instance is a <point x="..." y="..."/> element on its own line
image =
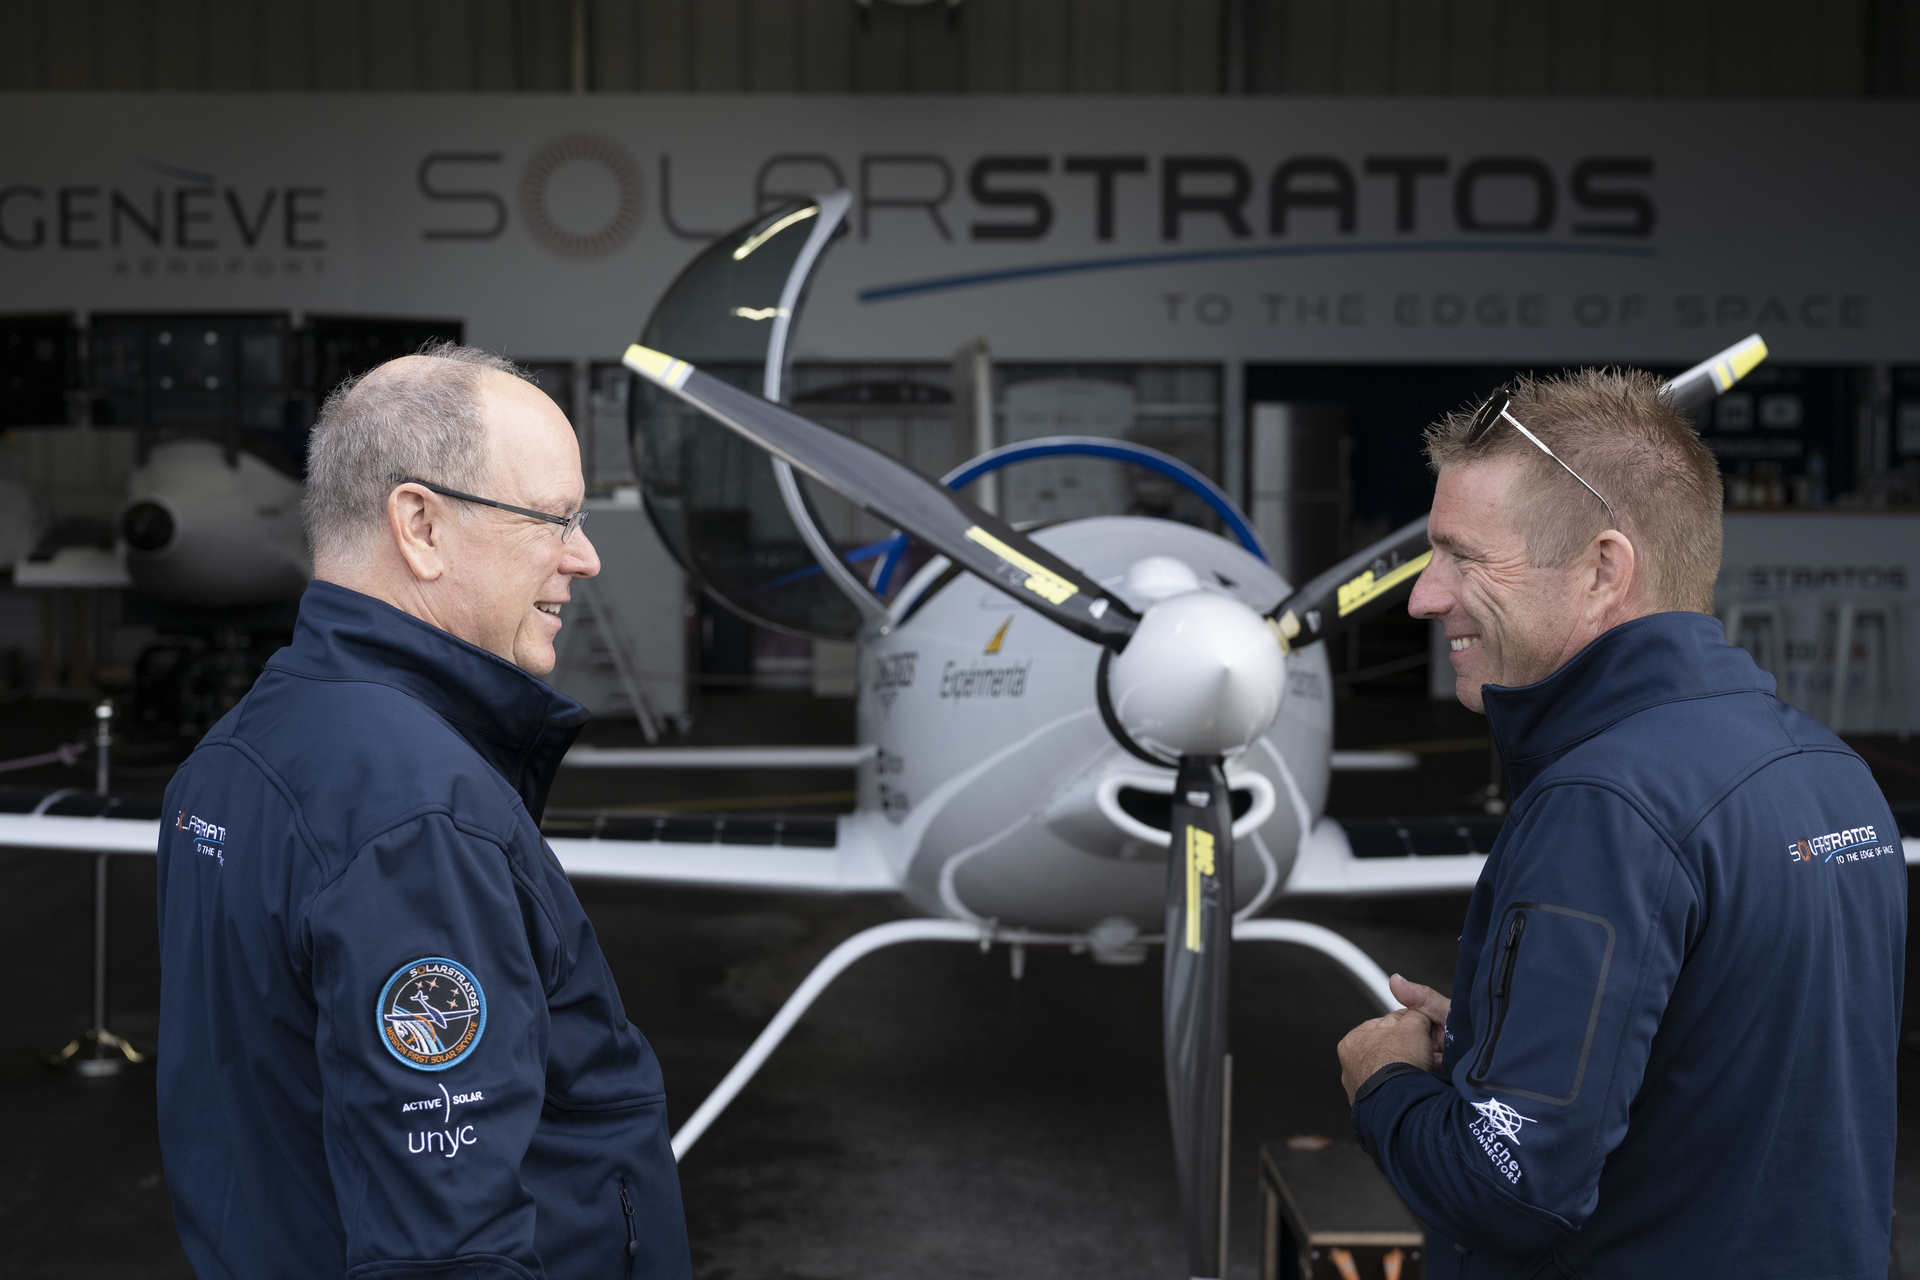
<point x="518" y="724"/>
<point x="1664" y="657"/>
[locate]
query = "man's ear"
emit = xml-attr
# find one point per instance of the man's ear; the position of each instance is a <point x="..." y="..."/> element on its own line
<point x="1616" y="572"/>
<point x="417" y="523"/>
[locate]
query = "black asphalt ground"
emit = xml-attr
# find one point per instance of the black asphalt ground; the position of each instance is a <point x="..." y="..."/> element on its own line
<point x="929" y="1116"/>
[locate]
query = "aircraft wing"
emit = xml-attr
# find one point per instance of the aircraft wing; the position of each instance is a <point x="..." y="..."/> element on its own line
<point x="1386" y="857"/>
<point x="1374" y="858"/>
<point x="821" y="853"/>
<point x="74" y="818"/>
<point x="815" y="853"/>
<point x="818" y="853"/>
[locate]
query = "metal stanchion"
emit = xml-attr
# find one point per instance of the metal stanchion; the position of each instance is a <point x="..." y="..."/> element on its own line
<point x="97" y="1051"/>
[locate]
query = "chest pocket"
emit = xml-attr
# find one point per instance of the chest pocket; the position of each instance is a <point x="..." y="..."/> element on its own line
<point x="1544" y="989"/>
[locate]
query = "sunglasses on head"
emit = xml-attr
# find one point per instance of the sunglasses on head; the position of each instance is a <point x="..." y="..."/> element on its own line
<point x="1490" y="413"/>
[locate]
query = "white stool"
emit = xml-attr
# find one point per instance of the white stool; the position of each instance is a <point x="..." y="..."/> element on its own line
<point x="1848" y="613"/>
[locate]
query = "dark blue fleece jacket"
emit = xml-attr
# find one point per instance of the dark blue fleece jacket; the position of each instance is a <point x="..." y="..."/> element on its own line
<point x="1675" y="1017"/>
<point x="389" y="1042"/>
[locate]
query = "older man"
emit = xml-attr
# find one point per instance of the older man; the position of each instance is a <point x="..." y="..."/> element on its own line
<point x="390" y="1045"/>
<point x="1670" y="1048"/>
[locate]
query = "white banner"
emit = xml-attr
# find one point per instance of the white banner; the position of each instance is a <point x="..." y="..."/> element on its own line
<point x="1123" y="228"/>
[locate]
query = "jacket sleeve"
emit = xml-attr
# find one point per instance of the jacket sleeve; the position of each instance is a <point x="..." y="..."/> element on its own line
<point x="432" y="1042"/>
<point x="1591" y="918"/>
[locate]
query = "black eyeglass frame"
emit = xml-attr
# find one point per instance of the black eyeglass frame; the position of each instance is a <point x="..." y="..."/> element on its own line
<point x="568" y="524"/>
<point x="1495" y="409"/>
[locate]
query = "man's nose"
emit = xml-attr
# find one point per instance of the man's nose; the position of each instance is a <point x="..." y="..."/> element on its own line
<point x="1428" y="599"/>
<point x="580" y="560"/>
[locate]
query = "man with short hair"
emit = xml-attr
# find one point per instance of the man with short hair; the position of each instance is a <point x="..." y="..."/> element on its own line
<point x="390" y="1044"/>
<point x="1670" y="1048"/>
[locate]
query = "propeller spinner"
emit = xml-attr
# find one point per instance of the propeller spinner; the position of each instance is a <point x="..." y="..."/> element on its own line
<point x="1194" y="680"/>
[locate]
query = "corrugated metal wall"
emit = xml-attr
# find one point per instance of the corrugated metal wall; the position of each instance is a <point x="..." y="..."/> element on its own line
<point x="1640" y="48"/>
<point x="1813" y="48"/>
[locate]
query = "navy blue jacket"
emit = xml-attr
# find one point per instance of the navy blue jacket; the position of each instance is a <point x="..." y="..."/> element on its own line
<point x="1675" y="1017"/>
<point x="389" y="1042"/>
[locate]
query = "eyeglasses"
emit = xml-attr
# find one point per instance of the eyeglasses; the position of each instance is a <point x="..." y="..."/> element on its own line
<point x="1495" y="409"/>
<point x="568" y="524"/>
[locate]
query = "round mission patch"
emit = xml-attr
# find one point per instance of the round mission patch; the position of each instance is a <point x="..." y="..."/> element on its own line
<point x="431" y="1013"/>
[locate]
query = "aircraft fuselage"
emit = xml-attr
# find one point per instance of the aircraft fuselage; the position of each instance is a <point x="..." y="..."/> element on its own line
<point x="997" y="790"/>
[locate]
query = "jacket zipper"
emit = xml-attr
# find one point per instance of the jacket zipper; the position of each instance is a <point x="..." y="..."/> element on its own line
<point x="1502" y="986"/>
<point x="633" y="1239"/>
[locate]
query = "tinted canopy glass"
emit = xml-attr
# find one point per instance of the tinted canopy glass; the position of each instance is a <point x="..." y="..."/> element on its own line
<point x="713" y="496"/>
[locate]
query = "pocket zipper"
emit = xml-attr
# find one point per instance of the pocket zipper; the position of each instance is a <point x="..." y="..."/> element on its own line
<point x="1502" y="987"/>
<point x="633" y="1239"/>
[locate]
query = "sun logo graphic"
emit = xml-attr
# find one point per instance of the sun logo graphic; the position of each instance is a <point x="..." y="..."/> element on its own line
<point x="1503" y="1119"/>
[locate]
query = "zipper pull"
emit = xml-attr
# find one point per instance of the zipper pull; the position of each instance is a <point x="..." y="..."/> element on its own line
<point x="633" y="1241"/>
<point x="1510" y="952"/>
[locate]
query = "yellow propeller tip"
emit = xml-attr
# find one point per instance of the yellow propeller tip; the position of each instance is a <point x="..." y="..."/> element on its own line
<point x="657" y="366"/>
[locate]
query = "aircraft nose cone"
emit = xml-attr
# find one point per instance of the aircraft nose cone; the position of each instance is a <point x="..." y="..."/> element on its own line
<point x="1203" y="675"/>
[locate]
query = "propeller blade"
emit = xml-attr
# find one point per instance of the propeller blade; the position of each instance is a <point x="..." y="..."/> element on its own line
<point x="1361" y="585"/>
<point x="1199" y="940"/>
<point x="945" y="521"/>
<point x="1696" y="388"/>
<point x="1369" y="580"/>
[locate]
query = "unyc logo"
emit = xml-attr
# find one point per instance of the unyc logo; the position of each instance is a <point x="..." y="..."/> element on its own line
<point x="431" y="1013"/>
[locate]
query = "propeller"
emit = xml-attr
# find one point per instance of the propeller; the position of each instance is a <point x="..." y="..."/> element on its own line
<point x="1696" y="388"/>
<point x="1361" y="585"/>
<point x="1194" y="679"/>
<point x="939" y="517"/>
<point x="1194" y="1003"/>
<point x="1200" y="679"/>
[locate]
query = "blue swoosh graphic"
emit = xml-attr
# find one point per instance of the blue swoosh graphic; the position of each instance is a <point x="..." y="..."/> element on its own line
<point x="1858" y="844"/>
<point x="1080" y="266"/>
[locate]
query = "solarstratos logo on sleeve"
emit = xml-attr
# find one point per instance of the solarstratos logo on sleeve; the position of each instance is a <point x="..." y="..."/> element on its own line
<point x="208" y="837"/>
<point x="431" y="1013"/>
<point x="1855" y="844"/>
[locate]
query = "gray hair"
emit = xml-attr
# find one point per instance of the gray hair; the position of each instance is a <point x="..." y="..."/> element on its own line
<point x="418" y="418"/>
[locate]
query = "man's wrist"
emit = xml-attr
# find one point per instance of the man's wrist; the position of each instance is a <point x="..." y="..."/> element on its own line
<point x="1381" y="1076"/>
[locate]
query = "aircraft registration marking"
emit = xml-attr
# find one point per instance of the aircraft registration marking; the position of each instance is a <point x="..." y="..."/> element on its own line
<point x="1366" y="587"/>
<point x="1041" y="580"/>
<point x="1199" y="863"/>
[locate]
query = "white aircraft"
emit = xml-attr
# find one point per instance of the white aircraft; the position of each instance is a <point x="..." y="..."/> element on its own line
<point x="1110" y="734"/>
<point x="212" y="516"/>
<point x="207" y="531"/>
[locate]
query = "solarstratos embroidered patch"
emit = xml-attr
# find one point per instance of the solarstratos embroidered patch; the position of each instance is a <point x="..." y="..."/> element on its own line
<point x="431" y="1013"/>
